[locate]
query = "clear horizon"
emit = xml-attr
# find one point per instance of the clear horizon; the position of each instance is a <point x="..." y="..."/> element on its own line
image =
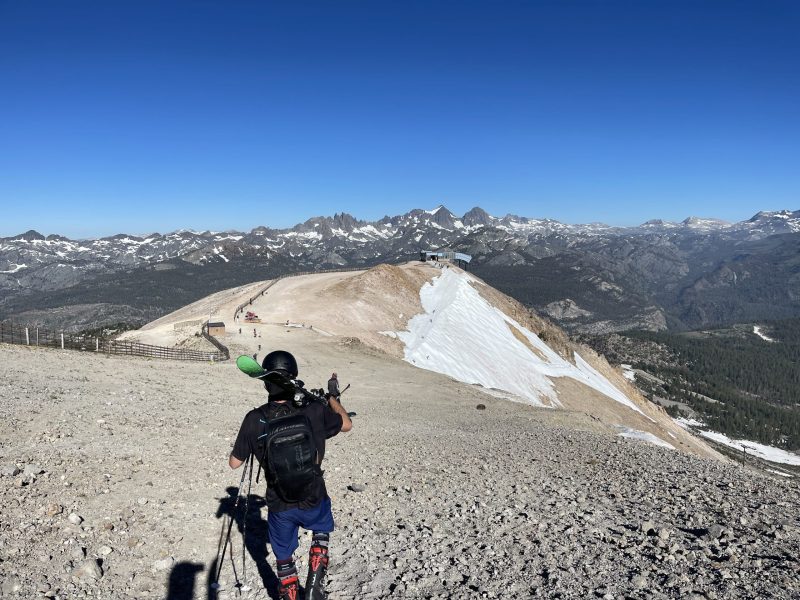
<point x="133" y="117"/>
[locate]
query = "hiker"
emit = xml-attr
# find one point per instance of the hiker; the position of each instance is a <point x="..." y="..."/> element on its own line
<point x="296" y="495"/>
<point x="333" y="386"/>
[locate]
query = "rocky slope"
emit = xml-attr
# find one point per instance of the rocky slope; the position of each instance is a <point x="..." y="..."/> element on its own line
<point x="115" y="484"/>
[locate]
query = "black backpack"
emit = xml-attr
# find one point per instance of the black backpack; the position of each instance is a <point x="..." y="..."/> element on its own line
<point x="288" y="452"/>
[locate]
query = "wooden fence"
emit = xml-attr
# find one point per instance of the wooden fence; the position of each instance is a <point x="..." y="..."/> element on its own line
<point x="12" y="333"/>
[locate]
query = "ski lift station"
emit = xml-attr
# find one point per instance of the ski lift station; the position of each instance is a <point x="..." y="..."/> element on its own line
<point x="457" y="258"/>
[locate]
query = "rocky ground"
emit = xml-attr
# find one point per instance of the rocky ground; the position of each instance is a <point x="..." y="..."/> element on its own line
<point x="115" y="484"/>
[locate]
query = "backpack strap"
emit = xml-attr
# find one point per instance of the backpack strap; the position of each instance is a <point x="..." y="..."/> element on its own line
<point x="264" y="419"/>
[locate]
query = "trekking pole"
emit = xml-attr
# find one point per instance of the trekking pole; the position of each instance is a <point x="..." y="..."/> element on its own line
<point x="230" y="526"/>
<point x="244" y="526"/>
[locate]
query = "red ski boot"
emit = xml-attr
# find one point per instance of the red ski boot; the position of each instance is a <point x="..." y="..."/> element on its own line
<point x="317" y="567"/>
<point x="289" y="589"/>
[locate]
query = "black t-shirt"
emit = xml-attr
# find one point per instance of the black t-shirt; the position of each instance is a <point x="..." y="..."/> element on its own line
<point x="325" y="423"/>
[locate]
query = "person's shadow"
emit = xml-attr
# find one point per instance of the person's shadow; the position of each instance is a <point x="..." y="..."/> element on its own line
<point x="256" y="540"/>
<point x="180" y="585"/>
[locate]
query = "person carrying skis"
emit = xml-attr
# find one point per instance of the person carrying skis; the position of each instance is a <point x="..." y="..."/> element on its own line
<point x="333" y="386"/>
<point x="296" y="495"/>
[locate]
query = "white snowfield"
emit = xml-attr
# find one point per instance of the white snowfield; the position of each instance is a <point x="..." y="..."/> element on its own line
<point x="645" y="436"/>
<point x="770" y="453"/>
<point x="16" y="268"/>
<point x="462" y="335"/>
<point x="757" y="331"/>
<point x="627" y="372"/>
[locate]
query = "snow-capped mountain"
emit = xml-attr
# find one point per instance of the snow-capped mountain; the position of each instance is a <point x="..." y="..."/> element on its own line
<point x="654" y="275"/>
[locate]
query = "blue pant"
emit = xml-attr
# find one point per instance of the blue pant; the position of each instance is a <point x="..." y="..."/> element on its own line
<point x="283" y="526"/>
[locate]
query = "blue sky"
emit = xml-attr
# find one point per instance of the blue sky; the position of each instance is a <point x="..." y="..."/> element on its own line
<point x="152" y="116"/>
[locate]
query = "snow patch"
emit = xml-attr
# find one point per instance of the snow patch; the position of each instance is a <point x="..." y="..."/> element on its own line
<point x="627" y="372"/>
<point x="757" y="331"/>
<point x="16" y="268"/>
<point x="770" y="453"/>
<point x="644" y="436"/>
<point x="461" y="335"/>
<point x="781" y="473"/>
<point x="685" y="423"/>
<point x="595" y="380"/>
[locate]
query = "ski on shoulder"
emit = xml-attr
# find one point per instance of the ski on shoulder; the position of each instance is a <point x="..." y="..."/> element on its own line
<point x="302" y="396"/>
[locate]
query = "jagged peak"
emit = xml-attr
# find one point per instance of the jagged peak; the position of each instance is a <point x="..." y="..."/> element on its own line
<point x="477" y="216"/>
<point x="345" y="221"/>
<point x="439" y="209"/>
<point x="29" y="236"/>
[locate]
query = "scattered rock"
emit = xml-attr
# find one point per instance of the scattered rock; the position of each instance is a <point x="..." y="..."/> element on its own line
<point x="481" y="407"/>
<point x="714" y="532"/>
<point x="54" y="509"/>
<point x="163" y="564"/>
<point x="515" y="503"/>
<point x="75" y="518"/>
<point x="87" y="570"/>
<point x="32" y="470"/>
<point x="9" y="471"/>
<point x="11" y="585"/>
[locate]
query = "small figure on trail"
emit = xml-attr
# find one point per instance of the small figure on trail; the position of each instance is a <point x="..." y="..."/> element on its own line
<point x="254" y="332"/>
<point x="255" y="355"/>
<point x="240" y="330"/>
<point x="333" y="386"/>
<point x="296" y="497"/>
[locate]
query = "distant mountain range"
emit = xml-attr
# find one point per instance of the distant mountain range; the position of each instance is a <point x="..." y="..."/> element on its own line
<point x="591" y="278"/>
